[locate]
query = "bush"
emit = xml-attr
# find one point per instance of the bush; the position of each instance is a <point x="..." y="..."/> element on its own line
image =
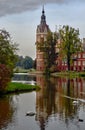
<point x="4" y="77"/>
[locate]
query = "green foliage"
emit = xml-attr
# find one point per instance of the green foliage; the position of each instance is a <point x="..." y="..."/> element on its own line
<point x="19" y="87"/>
<point x="7" y="50"/>
<point x="25" y="63"/>
<point x="48" y="49"/>
<point x="7" y="58"/>
<point x="19" y="61"/>
<point x="70" y="43"/>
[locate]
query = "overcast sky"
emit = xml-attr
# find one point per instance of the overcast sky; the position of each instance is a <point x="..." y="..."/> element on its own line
<point x="21" y="17"/>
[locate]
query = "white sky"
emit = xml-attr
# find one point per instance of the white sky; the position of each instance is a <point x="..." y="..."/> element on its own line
<point x="21" y="17"/>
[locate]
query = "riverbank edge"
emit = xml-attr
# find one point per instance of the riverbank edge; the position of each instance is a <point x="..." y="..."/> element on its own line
<point x="20" y="88"/>
<point x="62" y="74"/>
<point x="71" y="74"/>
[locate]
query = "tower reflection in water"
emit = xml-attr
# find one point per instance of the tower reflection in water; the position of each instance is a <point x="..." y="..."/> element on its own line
<point x="55" y="99"/>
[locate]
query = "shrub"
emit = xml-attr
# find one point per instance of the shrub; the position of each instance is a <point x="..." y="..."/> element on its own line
<point x="4" y="77"/>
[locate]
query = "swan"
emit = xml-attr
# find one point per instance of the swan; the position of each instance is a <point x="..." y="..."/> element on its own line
<point x="75" y="102"/>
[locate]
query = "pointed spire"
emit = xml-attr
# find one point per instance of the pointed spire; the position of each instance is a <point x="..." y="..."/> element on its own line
<point x="43" y="18"/>
<point x="43" y="10"/>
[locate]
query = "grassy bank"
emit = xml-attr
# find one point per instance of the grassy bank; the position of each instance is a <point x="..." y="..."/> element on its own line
<point x="19" y="87"/>
<point x="21" y="70"/>
<point x="70" y="74"/>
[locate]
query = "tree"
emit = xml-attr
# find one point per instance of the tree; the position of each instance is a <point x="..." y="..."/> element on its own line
<point x="7" y="50"/>
<point x="4" y="76"/>
<point x="19" y="62"/>
<point x="48" y="49"/>
<point x="7" y="58"/>
<point x="34" y="65"/>
<point x="70" y="43"/>
<point x="25" y="63"/>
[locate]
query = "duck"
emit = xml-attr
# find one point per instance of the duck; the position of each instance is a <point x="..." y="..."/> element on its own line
<point x="30" y="114"/>
<point x="81" y="120"/>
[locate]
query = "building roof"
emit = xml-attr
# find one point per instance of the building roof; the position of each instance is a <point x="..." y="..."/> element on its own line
<point x="43" y="27"/>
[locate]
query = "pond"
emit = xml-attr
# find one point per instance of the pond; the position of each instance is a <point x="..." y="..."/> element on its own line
<point x="58" y="105"/>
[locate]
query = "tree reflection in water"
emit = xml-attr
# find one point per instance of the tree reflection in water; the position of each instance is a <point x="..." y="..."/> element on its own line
<point x="45" y="101"/>
<point x="54" y="106"/>
<point x="55" y="100"/>
<point x="7" y="110"/>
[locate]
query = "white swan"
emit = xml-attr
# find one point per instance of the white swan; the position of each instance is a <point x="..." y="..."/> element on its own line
<point x="75" y="102"/>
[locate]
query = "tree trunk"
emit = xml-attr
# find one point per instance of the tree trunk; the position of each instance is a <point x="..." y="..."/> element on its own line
<point x="68" y="62"/>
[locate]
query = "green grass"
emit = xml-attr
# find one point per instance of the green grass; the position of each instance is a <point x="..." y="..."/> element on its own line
<point x="19" y="87"/>
<point x="21" y="70"/>
<point x="70" y="74"/>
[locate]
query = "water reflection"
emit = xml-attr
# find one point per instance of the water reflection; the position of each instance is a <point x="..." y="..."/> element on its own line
<point x="59" y="104"/>
<point x="7" y="110"/>
<point x="24" y="78"/>
<point x="45" y="101"/>
<point x="55" y="100"/>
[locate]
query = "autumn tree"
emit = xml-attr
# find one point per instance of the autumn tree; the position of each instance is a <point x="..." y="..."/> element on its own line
<point x="70" y="43"/>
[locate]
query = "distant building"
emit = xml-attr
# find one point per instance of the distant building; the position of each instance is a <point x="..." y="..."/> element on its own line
<point x="41" y="34"/>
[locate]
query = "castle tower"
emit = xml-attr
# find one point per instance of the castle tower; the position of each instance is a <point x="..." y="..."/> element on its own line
<point x="41" y="34"/>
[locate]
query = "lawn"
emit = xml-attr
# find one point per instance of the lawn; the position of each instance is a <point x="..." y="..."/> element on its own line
<point x="70" y="74"/>
<point x="20" y="87"/>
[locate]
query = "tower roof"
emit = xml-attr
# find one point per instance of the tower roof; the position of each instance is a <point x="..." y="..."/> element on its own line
<point x="43" y="27"/>
<point x="43" y="18"/>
